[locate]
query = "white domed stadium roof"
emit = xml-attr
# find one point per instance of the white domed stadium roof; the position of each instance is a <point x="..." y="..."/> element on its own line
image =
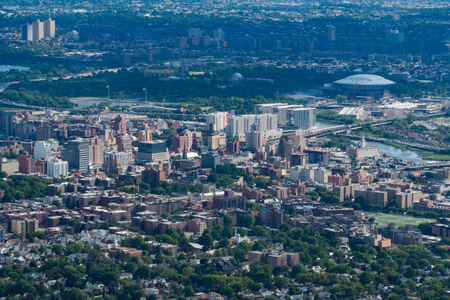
<point x="364" y="80"/>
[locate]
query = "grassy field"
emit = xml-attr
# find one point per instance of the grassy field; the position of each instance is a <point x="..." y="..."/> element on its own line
<point x="426" y="154"/>
<point x="384" y="219"/>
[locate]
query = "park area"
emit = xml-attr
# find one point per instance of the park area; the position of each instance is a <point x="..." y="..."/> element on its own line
<point x="399" y="220"/>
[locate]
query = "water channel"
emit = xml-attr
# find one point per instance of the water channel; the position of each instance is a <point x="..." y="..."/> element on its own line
<point x="388" y="150"/>
<point x="7" y="68"/>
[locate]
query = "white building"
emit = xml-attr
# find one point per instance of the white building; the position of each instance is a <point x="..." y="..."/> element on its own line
<point x="363" y="150"/>
<point x="54" y="144"/>
<point x="285" y="114"/>
<point x="268" y="108"/>
<point x="272" y="134"/>
<point x="352" y="112"/>
<point x="304" y="118"/>
<point x="239" y="125"/>
<point x="9" y="166"/>
<point x="38" y="30"/>
<point x="282" y="110"/>
<point x="321" y="175"/>
<point x="216" y="121"/>
<point x="42" y="150"/>
<point x="49" y="28"/>
<point x="57" y="168"/>
<point x="310" y="173"/>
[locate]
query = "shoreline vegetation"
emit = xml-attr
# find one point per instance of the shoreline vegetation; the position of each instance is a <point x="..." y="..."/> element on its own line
<point x="431" y="155"/>
<point x="424" y="153"/>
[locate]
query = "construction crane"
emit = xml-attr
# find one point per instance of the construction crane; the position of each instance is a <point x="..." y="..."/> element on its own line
<point x="354" y="90"/>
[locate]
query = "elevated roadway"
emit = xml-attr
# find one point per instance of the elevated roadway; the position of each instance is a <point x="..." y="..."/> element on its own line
<point x="344" y="128"/>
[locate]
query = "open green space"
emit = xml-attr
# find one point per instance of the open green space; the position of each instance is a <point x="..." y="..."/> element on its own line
<point x="384" y="220"/>
<point x="212" y="89"/>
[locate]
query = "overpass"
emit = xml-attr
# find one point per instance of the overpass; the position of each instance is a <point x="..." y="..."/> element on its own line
<point x="424" y="166"/>
<point x="403" y="142"/>
<point x="344" y="128"/>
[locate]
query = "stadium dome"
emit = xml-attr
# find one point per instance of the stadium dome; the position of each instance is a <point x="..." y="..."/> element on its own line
<point x="364" y="80"/>
<point x="364" y="85"/>
<point x="236" y="79"/>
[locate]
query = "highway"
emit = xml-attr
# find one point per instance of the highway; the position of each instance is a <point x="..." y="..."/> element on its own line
<point x="345" y="128"/>
<point x="406" y="143"/>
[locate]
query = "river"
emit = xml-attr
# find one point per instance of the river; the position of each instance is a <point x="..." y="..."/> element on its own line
<point x="7" y="68"/>
<point x="388" y="150"/>
<point x="398" y="153"/>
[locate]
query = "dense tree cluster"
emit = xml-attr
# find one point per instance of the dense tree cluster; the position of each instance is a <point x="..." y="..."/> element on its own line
<point x="401" y="268"/>
<point x="192" y="89"/>
<point x="23" y="187"/>
<point x="36" y="98"/>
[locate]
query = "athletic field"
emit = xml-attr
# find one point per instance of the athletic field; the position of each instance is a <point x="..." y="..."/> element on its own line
<point x="384" y="219"/>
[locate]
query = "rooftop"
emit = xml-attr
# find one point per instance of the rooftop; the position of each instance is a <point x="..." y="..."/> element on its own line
<point x="365" y="80"/>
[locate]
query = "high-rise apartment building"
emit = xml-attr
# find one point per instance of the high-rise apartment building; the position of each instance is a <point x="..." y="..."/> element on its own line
<point x="27" y="32"/>
<point x="42" y="150"/>
<point x="119" y="124"/>
<point x="117" y="162"/>
<point x="219" y="34"/>
<point x="253" y="140"/>
<point x="57" y="168"/>
<point x="49" y="28"/>
<point x="282" y="110"/>
<point x="76" y="153"/>
<point x="38" y="30"/>
<point x="304" y="118"/>
<point x="182" y="141"/>
<point x="197" y="226"/>
<point x="7" y="124"/>
<point x="331" y="32"/>
<point x="96" y="150"/>
<point x="25" y="163"/>
<point x="22" y="226"/>
<point x="124" y="143"/>
<point x="239" y="125"/>
<point x="216" y="121"/>
<point x="144" y="135"/>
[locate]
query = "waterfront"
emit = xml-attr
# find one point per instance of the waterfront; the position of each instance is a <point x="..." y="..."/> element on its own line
<point x="398" y="153"/>
<point x="7" y="68"/>
<point x="323" y="125"/>
<point x="388" y="150"/>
